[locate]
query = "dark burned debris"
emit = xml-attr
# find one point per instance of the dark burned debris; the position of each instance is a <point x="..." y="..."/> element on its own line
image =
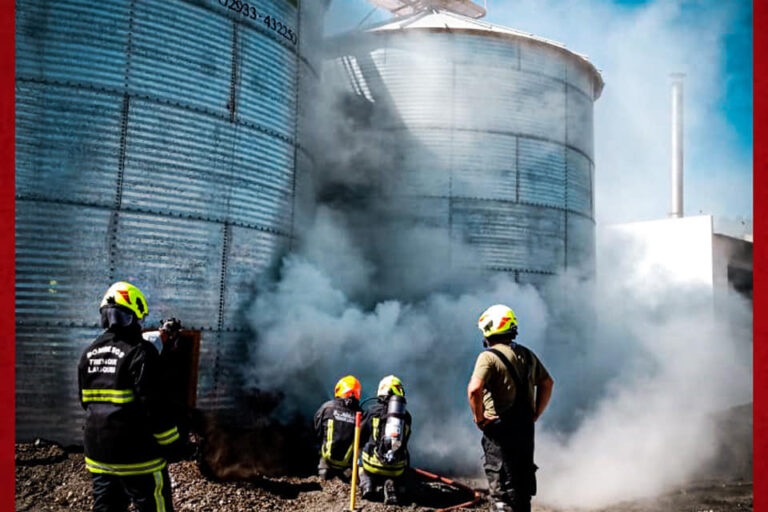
<point x="52" y="479"/>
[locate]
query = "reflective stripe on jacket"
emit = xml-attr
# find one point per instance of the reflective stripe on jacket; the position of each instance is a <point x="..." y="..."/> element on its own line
<point x="335" y="429"/>
<point x="127" y="420"/>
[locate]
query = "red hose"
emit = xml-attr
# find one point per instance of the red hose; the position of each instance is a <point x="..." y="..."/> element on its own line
<point x="432" y="476"/>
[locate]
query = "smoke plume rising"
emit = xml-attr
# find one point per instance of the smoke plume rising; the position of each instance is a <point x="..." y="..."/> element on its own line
<point x="639" y="369"/>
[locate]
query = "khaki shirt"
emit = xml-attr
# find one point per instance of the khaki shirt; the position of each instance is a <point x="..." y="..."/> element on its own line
<point x="499" y="393"/>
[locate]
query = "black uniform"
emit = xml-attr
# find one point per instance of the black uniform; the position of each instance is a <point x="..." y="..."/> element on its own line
<point x="335" y="429"/>
<point x="508" y="442"/>
<point x="175" y="363"/>
<point x="375" y="469"/>
<point x="127" y="429"/>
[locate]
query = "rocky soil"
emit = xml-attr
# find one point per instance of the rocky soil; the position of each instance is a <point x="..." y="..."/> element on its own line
<point x="50" y="479"/>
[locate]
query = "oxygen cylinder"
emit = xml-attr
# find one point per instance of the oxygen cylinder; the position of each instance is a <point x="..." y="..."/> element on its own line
<point x="395" y="426"/>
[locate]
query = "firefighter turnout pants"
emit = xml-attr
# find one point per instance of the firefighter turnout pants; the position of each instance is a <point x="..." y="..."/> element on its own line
<point x="150" y="492"/>
<point x="508" y="462"/>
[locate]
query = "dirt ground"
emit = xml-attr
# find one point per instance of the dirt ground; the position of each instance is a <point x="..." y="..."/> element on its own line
<point x="50" y="479"/>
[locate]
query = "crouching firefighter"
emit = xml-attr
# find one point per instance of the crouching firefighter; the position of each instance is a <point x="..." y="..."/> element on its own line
<point x="335" y="428"/>
<point x="128" y="435"/>
<point x="385" y="454"/>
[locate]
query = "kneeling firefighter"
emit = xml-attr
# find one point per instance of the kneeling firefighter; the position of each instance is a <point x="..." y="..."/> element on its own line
<point x="335" y="428"/>
<point x="129" y="435"/>
<point x="385" y="454"/>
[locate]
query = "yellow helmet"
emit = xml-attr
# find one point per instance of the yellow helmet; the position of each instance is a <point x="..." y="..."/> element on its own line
<point x="497" y="319"/>
<point x="346" y="387"/>
<point x="128" y="296"/>
<point x="391" y="385"/>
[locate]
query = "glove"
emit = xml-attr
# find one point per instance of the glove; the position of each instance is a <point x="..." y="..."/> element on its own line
<point x="176" y="451"/>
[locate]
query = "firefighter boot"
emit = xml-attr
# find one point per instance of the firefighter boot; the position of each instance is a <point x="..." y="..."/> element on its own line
<point x="367" y="489"/>
<point x="390" y="493"/>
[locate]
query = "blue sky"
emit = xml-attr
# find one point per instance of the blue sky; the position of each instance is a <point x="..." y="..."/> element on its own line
<point x="636" y="44"/>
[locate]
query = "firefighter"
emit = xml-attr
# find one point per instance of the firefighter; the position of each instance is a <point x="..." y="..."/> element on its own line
<point x="335" y="428"/>
<point x="128" y="433"/>
<point x="385" y="454"/>
<point x="175" y="366"/>
<point x="508" y="391"/>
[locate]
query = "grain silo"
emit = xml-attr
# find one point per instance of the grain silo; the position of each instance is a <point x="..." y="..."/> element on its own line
<point x="489" y="132"/>
<point x="156" y="142"/>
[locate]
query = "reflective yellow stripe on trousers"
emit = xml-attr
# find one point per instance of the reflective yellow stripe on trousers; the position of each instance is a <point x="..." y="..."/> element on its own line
<point x="140" y="468"/>
<point x="159" y="499"/>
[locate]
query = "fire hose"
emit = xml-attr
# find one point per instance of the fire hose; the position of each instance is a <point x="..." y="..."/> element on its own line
<point x="448" y="481"/>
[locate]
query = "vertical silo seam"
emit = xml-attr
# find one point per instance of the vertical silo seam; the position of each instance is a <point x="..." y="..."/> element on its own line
<point x="232" y="104"/>
<point x="225" y="243"/>
<point x="517" y="163"/>
<point x="296" y="128"/>
<point x="121" y="150"/>
<point x="129" y="45"/>
<point x="565" y="159"/>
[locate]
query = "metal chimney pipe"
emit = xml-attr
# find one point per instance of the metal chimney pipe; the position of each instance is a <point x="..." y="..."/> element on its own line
<point x="676" y="167"/>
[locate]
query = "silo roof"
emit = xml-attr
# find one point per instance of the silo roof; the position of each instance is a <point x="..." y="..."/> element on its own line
<point x="437" y="19"/>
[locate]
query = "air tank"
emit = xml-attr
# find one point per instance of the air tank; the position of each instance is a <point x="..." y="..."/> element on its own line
<point x="489" y="133"/>
<point x="156" y="142"/>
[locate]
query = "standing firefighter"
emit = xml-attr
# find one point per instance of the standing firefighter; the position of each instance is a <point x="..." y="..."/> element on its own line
<point x="335" y="428"/>
<point x="127" y="429"/>
<point x="385" y="455"/>
<point x="508" y="391"/>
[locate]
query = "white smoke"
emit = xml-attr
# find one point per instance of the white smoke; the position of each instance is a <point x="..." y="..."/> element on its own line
<point x="639" y="369"/>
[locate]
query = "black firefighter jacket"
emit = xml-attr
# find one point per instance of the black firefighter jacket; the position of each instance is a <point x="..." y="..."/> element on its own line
<point x="373" y="462"/>
<point x="335" y="429"/>
<point x="127" y="426"/>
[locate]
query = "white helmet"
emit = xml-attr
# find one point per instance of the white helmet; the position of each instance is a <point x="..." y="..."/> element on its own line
<point x="497" y="319"/>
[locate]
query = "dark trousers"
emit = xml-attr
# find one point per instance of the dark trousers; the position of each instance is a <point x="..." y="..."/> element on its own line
<point x="508" y="462"/>
<point x="149" y="493"/>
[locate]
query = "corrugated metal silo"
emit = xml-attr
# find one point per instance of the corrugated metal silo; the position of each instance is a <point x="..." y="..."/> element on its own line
<point x="492" y="134"/>
<point x="156" y="142"/>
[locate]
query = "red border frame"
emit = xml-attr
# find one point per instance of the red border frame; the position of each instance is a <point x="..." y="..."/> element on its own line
<point x="760" y="216"/>
<point x="7" y="256"/>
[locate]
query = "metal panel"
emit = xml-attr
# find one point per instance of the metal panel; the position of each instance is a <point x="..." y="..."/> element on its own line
<point x="579" y="183"/>
<point x="508" y="235"/>
<point x="580" y="77"/>
<point x="262" y="192"/>
<point x="177" y="162"/>
<point x="484" y="165"/>
<point x="74" y="41"/>
<point x="182" y="53"/>
<point x="49" y="406"/>
<point x="542" y="173"/>
<point x="175" y="262"/>
<point x="540" y="59"/>
<point x="508" y="101"/>
<point x="269" y="82"/>
<point x="477" y="49"/>
<point x="62" y="263"/>
<point x="415" y="84"/>
<point x="67" y="142"/>
<point x="250" y="255"/>
<point x="580" y="129"/>
<point x="581" y="245"/>
<point x="422" y="164"/>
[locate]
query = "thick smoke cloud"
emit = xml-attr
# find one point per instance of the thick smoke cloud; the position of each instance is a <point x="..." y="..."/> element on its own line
<point x="639" y="369"/>
<point x="639" y="372"/>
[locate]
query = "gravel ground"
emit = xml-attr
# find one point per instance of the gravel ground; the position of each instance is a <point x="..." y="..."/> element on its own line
<point x="50" y="479"/>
